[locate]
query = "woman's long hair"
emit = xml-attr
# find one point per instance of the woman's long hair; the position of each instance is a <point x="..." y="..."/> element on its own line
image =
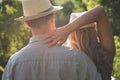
<point x="87" y="40"/>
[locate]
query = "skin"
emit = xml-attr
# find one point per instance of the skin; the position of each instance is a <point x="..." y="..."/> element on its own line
<point x="97" y="14"/>
<point x="43" y="28"/>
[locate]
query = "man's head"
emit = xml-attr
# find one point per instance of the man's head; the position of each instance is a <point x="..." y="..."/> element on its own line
<point x="38" y="13"/>
<point x="37" y="23"/>
<point x="34" y="9"/>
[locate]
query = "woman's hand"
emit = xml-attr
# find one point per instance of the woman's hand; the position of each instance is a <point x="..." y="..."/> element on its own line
<point x="56" y="37"/>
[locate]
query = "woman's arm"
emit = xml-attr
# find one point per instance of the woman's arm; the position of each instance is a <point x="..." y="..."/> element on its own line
<point x="105" y="34"/>
<point x="93" y="15"/>
<point x="96" y="14"/>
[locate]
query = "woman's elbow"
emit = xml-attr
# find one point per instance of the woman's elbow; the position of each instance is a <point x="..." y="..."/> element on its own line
<point x="100" y="9"/>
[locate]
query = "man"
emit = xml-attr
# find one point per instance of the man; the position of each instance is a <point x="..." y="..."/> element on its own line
<point x="38" y="61"/>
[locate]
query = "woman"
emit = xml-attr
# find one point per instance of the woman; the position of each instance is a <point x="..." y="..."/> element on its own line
<point x="96" y="40"/>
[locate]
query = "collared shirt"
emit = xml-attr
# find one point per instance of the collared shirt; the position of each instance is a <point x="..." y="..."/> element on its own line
<point x="37" y="61"/>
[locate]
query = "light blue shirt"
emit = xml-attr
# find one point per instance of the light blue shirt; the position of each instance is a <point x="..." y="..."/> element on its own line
<point x="37" y="61"/>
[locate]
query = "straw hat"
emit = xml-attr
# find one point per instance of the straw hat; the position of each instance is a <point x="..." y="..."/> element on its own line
<point x="33" y="9"/>
<point x="74" y="16"/>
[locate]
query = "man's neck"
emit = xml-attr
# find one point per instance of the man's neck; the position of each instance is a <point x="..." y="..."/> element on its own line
<point x="42" y="30"/>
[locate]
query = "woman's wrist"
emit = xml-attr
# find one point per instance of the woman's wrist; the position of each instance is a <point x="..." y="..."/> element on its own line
<point x="68" y="28"/>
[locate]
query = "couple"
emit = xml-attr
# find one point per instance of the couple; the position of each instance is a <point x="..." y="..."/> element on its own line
<point x="45" y="59"/>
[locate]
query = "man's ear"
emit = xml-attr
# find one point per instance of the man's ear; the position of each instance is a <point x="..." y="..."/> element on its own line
<point x="52" y="20"/>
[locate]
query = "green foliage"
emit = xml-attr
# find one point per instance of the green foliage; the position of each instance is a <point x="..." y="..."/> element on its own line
<point x="91" y="3"/>
<point x="12" y="33"/>
<point x="116" y="65"/>
<point x="69" y="7"/>
<point x="113" y="9"/>
<point x="1" y="71"/>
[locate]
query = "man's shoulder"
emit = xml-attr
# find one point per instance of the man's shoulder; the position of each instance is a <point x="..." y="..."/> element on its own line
<point x="63" y="50"/>
<point x="16" y="55"/>
<point x="57" y="51"/>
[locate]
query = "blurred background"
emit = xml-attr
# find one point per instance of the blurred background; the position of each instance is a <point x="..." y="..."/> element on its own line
<point x="14" y="36"/>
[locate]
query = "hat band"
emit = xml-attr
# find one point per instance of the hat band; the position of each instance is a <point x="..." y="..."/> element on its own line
<point x="51" y="8"/>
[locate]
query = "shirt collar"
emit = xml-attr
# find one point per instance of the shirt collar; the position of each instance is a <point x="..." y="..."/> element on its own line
<point x="36" y="38"/>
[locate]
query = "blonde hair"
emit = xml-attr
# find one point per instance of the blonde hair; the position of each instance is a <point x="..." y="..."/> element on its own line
<point x="87" y="40"/>
<point x="83" y="39"/>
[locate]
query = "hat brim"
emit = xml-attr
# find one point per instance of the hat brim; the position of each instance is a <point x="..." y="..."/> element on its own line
<point x="26" y="18"/>
<point x="74" y="16"/>
<point x="91" y="25"/>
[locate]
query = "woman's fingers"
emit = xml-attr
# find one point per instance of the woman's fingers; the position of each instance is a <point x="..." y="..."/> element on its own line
<point x="48" y="38"/>
<point x="54" y="42"/>
<point x="60" y="43"/>
<point x="56" y="37"/>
